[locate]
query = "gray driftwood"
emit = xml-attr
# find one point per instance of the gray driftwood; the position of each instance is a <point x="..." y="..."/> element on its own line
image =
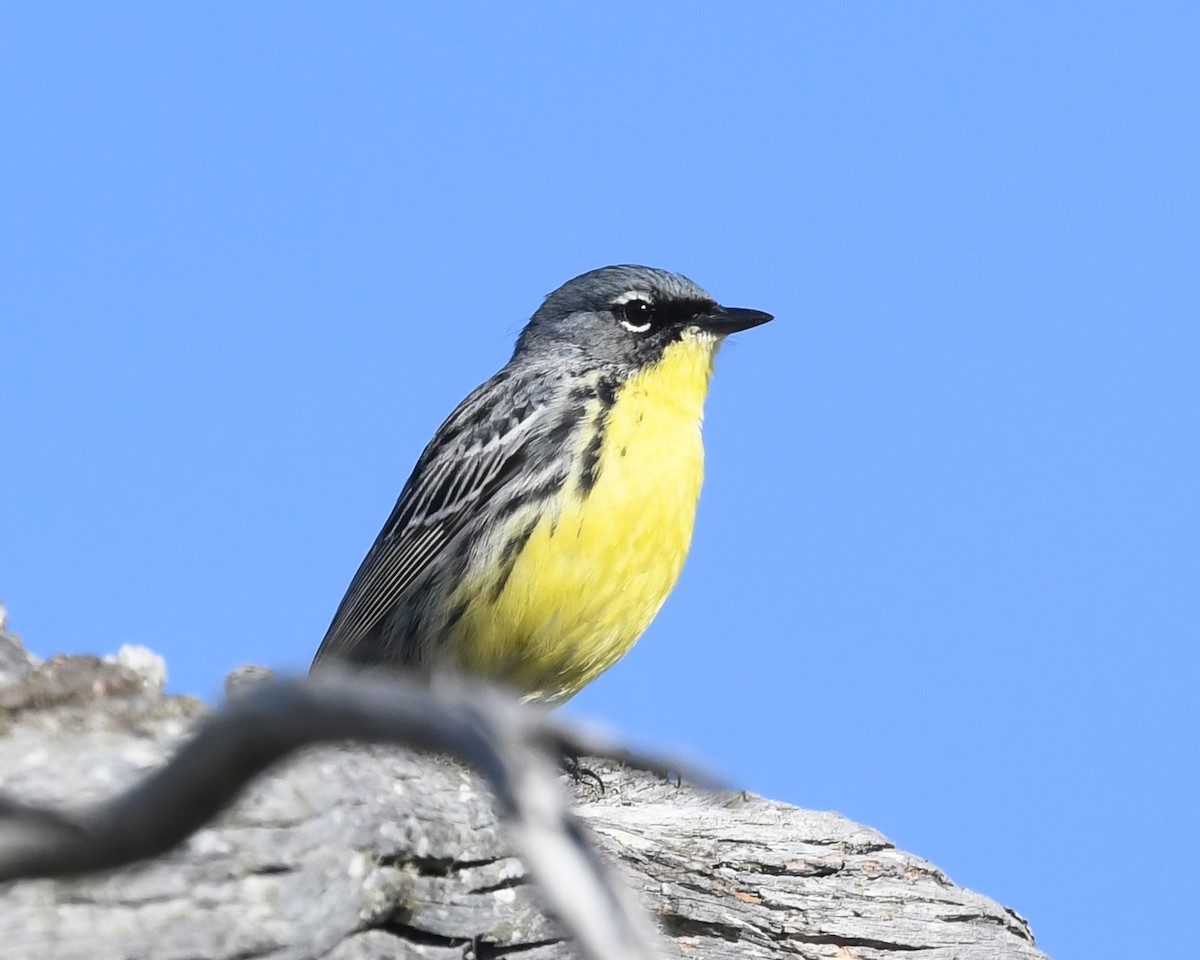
<point x="370" y="852"/>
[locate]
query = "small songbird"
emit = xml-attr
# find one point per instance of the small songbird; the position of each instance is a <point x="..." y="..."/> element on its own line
<point x="549" y="517"/>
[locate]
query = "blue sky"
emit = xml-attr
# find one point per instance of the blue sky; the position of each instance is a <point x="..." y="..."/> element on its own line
<point x="944" y="578"/>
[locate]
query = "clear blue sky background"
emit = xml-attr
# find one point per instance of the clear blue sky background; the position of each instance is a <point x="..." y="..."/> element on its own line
<point x="945" y="572"/>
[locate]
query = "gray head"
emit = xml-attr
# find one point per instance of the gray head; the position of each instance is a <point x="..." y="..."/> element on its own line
<point x="627" y="315"/>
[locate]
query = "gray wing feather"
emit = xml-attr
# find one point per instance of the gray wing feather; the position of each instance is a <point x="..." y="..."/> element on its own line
<point x="474" y="454"/>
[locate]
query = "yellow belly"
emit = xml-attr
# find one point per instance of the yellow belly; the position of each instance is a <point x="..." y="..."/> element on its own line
<point x="596" y="569"/>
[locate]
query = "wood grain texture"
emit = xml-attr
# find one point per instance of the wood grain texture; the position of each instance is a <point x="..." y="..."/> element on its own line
<point x="351" y="853"/>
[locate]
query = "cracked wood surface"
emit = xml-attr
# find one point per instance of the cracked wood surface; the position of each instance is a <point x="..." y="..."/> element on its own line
<point x="358" y="853"/>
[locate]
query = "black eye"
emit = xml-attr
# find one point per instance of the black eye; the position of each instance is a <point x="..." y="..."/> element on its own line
<point x="636" y="315"/>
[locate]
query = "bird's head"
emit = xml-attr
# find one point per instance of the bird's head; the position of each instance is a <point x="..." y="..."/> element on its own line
<point x="628" y="315"/>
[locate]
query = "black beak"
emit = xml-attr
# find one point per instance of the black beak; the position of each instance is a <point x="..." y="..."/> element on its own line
<point x="723" y="321"/>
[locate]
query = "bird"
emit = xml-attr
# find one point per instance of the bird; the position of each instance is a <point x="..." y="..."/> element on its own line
<point x="548" y="518"/>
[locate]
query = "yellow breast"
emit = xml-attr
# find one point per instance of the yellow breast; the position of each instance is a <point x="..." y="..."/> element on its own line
<point x="598" y="566"/>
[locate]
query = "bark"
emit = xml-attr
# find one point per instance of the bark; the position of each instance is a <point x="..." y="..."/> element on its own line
<point x="355" y="852"/>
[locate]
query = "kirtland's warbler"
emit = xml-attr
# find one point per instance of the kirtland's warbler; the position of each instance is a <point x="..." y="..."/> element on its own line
<point x="548" y="518"/>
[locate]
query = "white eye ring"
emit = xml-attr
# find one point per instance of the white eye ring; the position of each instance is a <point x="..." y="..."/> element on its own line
<point x="635" y="296"/>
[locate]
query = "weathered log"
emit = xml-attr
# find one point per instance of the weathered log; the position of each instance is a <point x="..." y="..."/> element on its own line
<point x="370" y="852"/>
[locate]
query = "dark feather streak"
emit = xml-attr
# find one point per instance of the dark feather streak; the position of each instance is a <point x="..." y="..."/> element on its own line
<point x="508" y="556"/>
